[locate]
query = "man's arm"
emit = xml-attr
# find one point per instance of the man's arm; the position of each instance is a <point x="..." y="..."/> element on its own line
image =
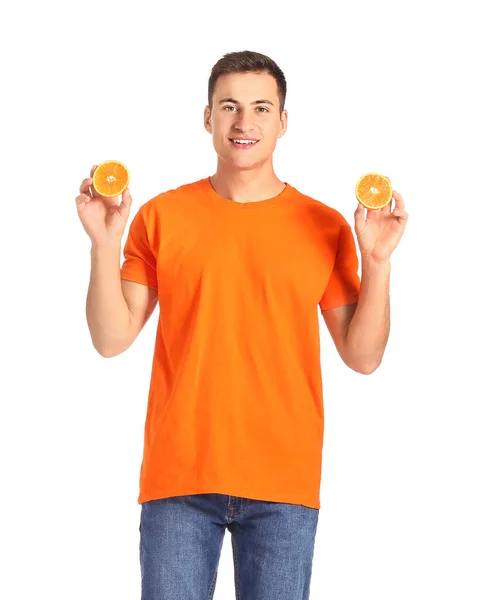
<point x="361" y="330"/>
<point x="116" y="309"/>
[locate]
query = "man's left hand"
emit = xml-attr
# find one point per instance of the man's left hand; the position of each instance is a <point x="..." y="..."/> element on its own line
<point x="380" y="231"/>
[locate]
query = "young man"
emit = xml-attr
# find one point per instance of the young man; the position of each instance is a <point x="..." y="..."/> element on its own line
<point x="239" y="262"/>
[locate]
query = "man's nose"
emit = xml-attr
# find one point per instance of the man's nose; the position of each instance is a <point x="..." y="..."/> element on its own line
<point x="245" y="121"/>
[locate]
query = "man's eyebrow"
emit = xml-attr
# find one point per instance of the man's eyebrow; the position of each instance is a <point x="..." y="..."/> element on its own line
<point x="236" y="102"/>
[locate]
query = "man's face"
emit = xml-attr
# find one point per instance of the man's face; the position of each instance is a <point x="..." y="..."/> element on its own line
<point x="236" y="114"/>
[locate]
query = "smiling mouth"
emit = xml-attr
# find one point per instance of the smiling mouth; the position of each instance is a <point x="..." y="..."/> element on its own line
<point x="243" y="144"/>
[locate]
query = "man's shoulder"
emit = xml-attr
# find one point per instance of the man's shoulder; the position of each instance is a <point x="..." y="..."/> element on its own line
<point x="319" y="210"/>
<point x="171" y="198"/>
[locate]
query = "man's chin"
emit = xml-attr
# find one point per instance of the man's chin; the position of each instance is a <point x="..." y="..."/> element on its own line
<point x="240" y="160"/>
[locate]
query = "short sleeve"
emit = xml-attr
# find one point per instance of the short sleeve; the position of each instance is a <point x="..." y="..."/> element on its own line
<point x="344" y="284"/>
<point x="140" y="264"/>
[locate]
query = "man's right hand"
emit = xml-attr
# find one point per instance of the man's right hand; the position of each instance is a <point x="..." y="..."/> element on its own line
<point x="102" y="218"/>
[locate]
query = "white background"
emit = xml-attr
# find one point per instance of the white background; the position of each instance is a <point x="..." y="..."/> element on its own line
<point x="372" y="86"/>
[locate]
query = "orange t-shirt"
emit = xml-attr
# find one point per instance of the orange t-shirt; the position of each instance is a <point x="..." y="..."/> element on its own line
<point x="235" y="403"/>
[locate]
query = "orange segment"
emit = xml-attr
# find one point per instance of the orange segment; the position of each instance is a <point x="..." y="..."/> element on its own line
<point x="111" y="178"/>
<point x="374" y="191"/>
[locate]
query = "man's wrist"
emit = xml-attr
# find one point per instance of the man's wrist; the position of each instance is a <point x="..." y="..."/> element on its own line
<point x="370" y="263"/>
<point x="109" y="245"/>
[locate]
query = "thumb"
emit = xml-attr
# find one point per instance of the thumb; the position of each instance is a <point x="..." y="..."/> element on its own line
<point x="125" y="204"/>
<point x="359" y="215"/>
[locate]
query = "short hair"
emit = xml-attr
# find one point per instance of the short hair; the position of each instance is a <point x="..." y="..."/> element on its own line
<point x="248" y="62"/>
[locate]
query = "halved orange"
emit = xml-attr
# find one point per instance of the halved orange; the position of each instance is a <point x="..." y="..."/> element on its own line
<point x="111" y="178"/>
<point x="374" y="191"/>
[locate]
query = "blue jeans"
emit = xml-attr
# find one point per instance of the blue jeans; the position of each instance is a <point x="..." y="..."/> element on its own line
<point x="181" y="539"/>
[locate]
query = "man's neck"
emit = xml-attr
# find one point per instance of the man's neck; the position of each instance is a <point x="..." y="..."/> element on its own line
<point x="246" y="186"/>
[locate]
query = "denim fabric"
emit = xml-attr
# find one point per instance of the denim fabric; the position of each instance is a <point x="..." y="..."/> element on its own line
<point x="181" y="539"/>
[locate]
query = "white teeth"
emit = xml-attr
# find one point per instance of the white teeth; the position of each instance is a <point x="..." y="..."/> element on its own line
<point x="244" y="141"/>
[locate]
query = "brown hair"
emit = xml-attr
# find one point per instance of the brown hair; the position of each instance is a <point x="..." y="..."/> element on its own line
<point x="248" y="62"/>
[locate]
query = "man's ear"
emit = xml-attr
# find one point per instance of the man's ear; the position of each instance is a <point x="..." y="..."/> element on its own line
<point x="207" y="119"/>
<point x="283" y="123"/>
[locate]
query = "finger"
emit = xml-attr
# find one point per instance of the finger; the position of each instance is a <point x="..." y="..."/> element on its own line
<point x="374" y="215"/>
<point x="359" y="215"/>
<point x="125" y="204"/>
<point x="82" y="200"/>
<point x="87" y="184"/>
<point x="93" y="191"/>
<point x="85" y="187"/>
<point x="386" y="210"/>
<point x="399" y="199"/>
<point x="388" y="206"/>
<point x="400" y="214"/>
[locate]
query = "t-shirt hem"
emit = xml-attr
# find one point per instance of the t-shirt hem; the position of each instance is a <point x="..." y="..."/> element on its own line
<point x="251" y="493"/>
<point x="341" y="302"/>
<point x="138" y="278"/>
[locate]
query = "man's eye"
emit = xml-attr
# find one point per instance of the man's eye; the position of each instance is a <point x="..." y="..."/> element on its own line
<point x="259" y="108"/>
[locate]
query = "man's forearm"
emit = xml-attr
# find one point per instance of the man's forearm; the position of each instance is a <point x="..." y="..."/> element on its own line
<point x="107" y="312"/>
<point x="368" y="331"/>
